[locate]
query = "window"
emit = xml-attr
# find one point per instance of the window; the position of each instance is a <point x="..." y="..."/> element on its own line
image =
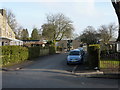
<point x="74" y="53"/>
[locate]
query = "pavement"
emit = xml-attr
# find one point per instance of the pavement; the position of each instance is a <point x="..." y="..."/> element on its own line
<point x="83" y="71"/>
<point x="52" y="72"/>
<point x="17" y="66"/>
<point x="78" y="70"/>
<point x="23" y="64"/>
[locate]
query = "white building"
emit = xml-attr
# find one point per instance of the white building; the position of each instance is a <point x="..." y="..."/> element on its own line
<point x="7" y="36"/>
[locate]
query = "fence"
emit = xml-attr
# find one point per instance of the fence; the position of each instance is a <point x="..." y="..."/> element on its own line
<point x="110" y="61"/>
<point x="113" y="56"/>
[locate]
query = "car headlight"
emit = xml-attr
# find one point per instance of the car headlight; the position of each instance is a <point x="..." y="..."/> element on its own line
<point x="68" y="58"/>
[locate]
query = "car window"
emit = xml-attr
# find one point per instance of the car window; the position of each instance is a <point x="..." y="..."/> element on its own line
<point x="74" y="53"/>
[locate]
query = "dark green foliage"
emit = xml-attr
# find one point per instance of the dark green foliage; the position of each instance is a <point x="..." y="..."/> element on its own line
<point x="50" y="43"/>
<point x="51" y="49"/>
<point x="24" y="34"/>
<point x="16" y="54"/>
<point x="37" y="51"/>
<point x="93" y="56"/>
<point x="49" y="31"/>
<point x="13" y="54"/>
<point x="34" y="52"/>
<point x="89" y="35"/>
<point x="35" y="34"/>
<point x="57" y="27"/>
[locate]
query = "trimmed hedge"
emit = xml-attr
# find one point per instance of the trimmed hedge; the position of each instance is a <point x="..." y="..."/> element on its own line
<point x="37" y="51"/>
<point x="52" y="50"/>
<point x="93" y="55"/>
<point x="17" y="54"/>
<point x="13" y="54"/>
<point x="33" y="52"/>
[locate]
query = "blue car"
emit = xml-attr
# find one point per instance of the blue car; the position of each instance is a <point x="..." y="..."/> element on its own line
<point x="75" y="57"/>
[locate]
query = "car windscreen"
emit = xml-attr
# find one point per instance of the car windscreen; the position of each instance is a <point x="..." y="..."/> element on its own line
<point x="74" y="53"/>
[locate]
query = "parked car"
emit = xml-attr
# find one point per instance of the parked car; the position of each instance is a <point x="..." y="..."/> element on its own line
<point x="82" y="51"/>
<point x="75" y="57"/>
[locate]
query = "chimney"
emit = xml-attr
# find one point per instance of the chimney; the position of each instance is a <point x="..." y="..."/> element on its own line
<point x="3" y="12"/>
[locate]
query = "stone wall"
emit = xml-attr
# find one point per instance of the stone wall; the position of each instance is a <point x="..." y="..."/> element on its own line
<point x="5" y="30"/>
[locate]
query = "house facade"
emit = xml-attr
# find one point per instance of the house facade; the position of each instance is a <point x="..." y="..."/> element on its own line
<point x="63" y="44"/>
<point x="30" y="43"/>
<point x="7" y="36"/>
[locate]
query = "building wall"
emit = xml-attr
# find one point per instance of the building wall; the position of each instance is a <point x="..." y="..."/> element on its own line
<point x="63" y="43"/>
<point x="5" y="30"/>
<point x="75" y="44"/>
<point x="4" y="42"/>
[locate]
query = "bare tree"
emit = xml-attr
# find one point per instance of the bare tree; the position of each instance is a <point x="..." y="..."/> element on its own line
<point x="106" y="32"/>
<point x="49" y="31"/>
<point x="11" y="20"/>
<point x="19" y="32"/>
<point x="75" y="36"/>
<point x="57" y="27"/>
<point x="116" y="5"/>
<point x="112" y="28"/>
<point x="89" y="35"/>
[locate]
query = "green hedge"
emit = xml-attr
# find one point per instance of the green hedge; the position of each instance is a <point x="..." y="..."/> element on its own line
<point x="13" y="54"/>
<point x="33" y="52"/>
<point x="93" y="55"/>
<point x="52" y="50"/>
<point x="17" y="54"/>
<point x="37" y="51"/>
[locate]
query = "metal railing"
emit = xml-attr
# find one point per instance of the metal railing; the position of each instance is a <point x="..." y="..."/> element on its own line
<point x="113" y="56"/>
<point x="110" y="61"/>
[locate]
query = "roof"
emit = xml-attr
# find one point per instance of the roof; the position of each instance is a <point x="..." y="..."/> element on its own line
<point x="6" y="38"/>
<point x="30" y="40"/>
<point x="10" y="39"/>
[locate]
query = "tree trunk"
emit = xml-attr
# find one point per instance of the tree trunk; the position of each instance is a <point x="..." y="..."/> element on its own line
<point x="116" y="5"/>
<point x="118" y="39"/>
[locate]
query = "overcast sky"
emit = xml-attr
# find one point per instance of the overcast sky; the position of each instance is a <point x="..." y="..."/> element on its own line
<point x="83" y="13"/>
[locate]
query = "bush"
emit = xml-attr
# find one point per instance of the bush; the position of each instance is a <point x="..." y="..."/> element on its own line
<point x="13" y="54"/>
<point x="93" y="55"/>
<point x="52" y="50"/>
<point x="17" y="54"/>
<point x="37" y="51"/>
<point x="59" y="48"/>
<point x="34" y="52"/>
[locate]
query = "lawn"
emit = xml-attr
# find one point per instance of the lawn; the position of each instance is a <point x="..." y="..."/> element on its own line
<point x="109" y="64"/>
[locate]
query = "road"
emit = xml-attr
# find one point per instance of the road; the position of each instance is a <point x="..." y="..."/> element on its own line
<point x="52" y="72"/>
